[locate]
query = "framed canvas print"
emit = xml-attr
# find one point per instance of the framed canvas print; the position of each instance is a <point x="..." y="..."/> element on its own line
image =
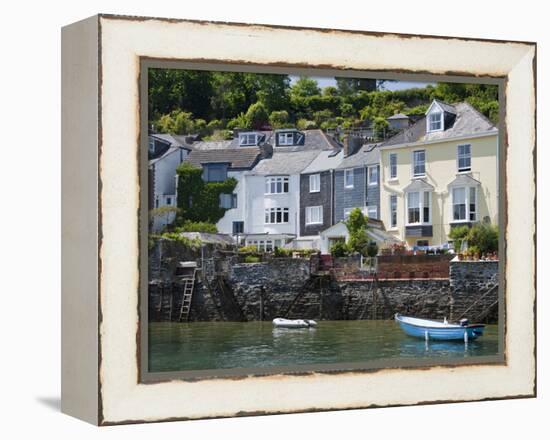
<point x="262" y="219"/>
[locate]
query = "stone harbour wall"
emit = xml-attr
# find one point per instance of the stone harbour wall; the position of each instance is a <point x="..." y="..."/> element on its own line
<point x="474" y="290"/>
<point x="285" y="287"/>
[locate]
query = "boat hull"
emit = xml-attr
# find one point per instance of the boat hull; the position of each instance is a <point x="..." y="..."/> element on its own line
<point x="294" y="323"/>
<point x="441" y="333"/>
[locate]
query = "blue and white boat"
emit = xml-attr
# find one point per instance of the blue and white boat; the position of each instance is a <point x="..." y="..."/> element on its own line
<point x="437" y="330"/>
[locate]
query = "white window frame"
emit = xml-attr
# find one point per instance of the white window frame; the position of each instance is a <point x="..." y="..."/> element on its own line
<point x="372" y="170"/>
<point x="286" y="138"/>
<point x="459" y="156"/>
<point x="314" y="183"/>
<point x="421" y="206"/>
<point x="393" y="167"/>
<point x="312" y="219"/>
<point x="270" y="216"/>
<point x="414" y="164"/>
<point x="274" y="181"/>
<point x="429" y="121"/>
<point x="375" y="208"/>
<point x="244" y="139"/>
<point x="349" y="172"/>
<point x="467" y="200"/>
<point x="393" y="210"/>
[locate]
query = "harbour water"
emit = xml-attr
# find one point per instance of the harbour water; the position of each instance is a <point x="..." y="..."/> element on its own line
<point x="216" y="345"/>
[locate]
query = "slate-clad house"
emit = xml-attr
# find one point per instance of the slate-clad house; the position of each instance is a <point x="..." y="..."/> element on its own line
<point x="220" y="160"/>
<point x="439" y="173"/>
<point x="272" y="187"/>
<point x="357" y="183"/>
<point x="316" y="189"/>
<point x="166" y="152"/>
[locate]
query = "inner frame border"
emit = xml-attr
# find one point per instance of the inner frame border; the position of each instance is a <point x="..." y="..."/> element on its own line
<point x="142" y="335"/>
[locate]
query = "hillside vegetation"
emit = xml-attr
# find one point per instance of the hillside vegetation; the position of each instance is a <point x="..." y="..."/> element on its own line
<point x="213" y="103"/>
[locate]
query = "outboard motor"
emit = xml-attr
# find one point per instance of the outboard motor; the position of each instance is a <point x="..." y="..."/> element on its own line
<point x="464" y="322"/>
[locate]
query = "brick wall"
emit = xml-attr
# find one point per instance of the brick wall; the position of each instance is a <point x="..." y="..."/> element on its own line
<point x="413" y="266"/>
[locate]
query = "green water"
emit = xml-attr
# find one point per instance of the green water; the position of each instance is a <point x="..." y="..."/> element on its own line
<point x="214" y="345"/>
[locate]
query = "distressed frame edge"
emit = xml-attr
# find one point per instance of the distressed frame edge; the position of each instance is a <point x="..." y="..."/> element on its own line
<point x="103" y="422"/>
<point x="80" y="113"/>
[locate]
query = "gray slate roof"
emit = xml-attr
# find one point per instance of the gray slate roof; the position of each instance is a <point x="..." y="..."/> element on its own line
<point x="326" y="160"/>
<point x="468" y="121"/>
<point x="168" y="152"/>
<point x="284" y="163"/>
<point x="418" y="185"/>
<point x="446" y="107"/>
<point x="464" y="180"/>
<point x="243" y="157"/>
<point x="398" y="116"/>
<point x="368" y="154"/>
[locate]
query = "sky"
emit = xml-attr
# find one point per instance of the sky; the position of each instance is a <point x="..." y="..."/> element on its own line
<point x="325" y="81"/>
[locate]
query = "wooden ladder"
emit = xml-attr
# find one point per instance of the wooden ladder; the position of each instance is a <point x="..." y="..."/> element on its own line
<point x="188" y="286"/>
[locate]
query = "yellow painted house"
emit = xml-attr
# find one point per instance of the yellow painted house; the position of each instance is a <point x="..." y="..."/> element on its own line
<point x="440" y="172"/>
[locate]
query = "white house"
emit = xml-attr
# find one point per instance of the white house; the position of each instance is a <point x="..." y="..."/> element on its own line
<point x="165" y="154"/>
<point x="221" y="160"/>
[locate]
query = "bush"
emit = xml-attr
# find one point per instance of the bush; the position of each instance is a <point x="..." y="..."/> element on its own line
<point x="305" y="124"/>
<point x="249" y="249"/>
<point x="257" y="116"/>
<point x="189" y="226"/>
<point x="282" y="252"/>
<point x="251" y="259"/>
<point x="279" y="119"/>
<point x="458" y="235"/>
<point x="339" y="249"/>
<point x="483" y="237"/>
<point x="372" y="249"/>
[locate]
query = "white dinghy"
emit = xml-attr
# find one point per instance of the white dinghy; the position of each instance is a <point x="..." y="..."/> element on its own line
<point x="294" y="323"/>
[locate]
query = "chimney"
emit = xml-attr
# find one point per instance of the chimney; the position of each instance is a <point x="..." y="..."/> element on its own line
<point x="352" y="144"/>
<point x="266" y="150"/>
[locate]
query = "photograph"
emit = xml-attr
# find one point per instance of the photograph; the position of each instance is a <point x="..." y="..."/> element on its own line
<point x="309" y="222"/>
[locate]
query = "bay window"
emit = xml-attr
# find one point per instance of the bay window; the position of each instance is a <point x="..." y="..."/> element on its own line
<point x="464" y="204"/>
<point x="419" y="206"/>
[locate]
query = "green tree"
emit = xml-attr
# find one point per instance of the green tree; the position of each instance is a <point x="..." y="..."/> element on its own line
<point x="176" y="122"/>
<point x="279" y="119"/>
<point x="357" y="227"/>
<point x="177" y="89"/>
<point x="304" y="87"/>
<point x="257" y="115"/>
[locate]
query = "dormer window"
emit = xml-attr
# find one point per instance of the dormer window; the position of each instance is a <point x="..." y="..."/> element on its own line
<point x="435" y="121"/>
<point x="288" y="138"/>
<point x="248" y="139"/>
<point x="285" y="139"/>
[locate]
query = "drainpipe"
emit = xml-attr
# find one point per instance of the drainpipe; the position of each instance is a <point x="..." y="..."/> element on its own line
<point x="365" y="187"/>
<point x="331" y="197"/>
